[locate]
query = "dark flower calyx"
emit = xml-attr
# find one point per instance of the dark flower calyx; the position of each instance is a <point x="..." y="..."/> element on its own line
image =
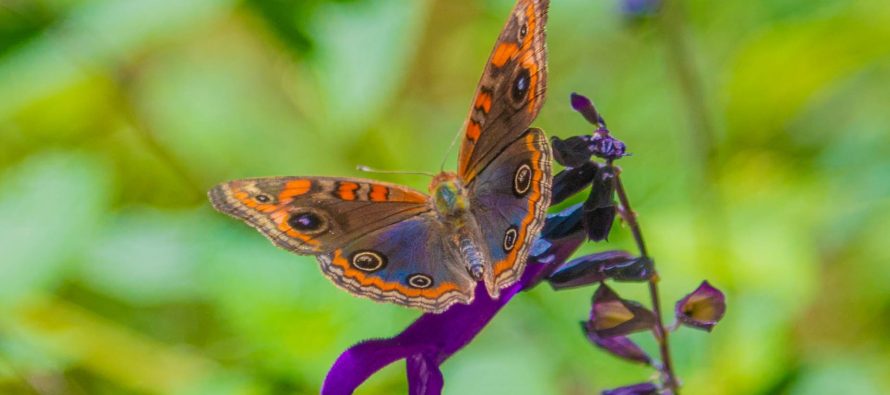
<point x="586" y="270"/>
<point x="599" y="208"/>
<point x="613" y="316"/>
<point x="572" y="152"/>
<point x="619" y="346"/>
<point x="572" y="180"/>
<point x="701" y="309"/>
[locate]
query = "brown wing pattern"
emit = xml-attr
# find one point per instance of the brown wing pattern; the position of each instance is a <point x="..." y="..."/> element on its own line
<point x="314" y="215"/>
<point x="511" y="91"/>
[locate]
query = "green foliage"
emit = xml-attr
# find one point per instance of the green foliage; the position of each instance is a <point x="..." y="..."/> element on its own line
<point x="117" y="116"/>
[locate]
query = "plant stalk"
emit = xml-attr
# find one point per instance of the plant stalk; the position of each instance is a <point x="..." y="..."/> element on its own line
<point x="661" y="334"/>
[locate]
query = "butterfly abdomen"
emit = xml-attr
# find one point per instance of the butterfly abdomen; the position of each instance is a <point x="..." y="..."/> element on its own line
<point x="471" y="255"/>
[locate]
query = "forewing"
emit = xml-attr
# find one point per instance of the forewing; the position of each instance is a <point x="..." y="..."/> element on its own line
<point x="511" y="91"/>
<point x="313" y="215"/>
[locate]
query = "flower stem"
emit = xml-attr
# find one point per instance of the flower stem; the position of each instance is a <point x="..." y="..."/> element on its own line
<point x="661" y="335"/>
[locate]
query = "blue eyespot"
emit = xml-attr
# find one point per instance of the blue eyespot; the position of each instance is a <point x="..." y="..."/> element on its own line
<point x="420" y="281"/>
<point x="521" y="85"/>
<point x="368" y="260"/>
<point x="307" y="221"/>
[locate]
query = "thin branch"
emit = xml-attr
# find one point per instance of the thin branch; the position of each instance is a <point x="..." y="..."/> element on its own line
<point x="661" y="334"/>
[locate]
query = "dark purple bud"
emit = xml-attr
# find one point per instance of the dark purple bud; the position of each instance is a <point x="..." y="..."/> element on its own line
<point x="636" y="389"/>
<point x="583" y="105"/>
<point x="572" y="180"/>
<point x="613" y="316"/>
<point x="638" y="269"/>
<point x="572" y="152"/>
<point x="564" y="223"/>
<point x="588" y="269"/>
<point x="701" y="309"/>
<point x="599" y="208"/>
<point x="619" y="346"/>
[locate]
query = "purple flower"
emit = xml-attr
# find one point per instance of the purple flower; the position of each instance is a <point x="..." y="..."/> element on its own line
<point x="603" y="145"/>
<point x="433" y="338"/>
<point x="600" y="143"/>
<point x="701" y="309"/>
<point x="611" y="315"/>
<point x="590" y="269"/>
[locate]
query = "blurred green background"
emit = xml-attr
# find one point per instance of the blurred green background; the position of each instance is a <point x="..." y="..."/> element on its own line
<point x="761" y="162"/>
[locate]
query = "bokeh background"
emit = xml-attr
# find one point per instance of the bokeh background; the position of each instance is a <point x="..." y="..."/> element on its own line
<point x="761" y="162"/>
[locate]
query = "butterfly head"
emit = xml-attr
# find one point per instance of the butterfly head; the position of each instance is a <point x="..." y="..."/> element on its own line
<point x="448" y="194"/>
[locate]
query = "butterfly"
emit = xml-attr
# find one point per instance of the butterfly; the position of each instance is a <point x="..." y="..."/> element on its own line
<point x="390" y="243"/>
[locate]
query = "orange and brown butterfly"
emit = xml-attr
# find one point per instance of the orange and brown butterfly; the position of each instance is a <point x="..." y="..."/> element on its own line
<point x="390" y="243"/>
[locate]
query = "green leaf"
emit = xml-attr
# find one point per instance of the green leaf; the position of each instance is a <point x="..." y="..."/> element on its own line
<point x="49" y="207"/>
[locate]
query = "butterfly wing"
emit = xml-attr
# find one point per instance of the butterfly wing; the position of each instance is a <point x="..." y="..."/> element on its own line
<point x="511" y="91"/>
<point x="313" y="215"/>
<point x="509" y="200"/>
<point x="408" y="263"/>
<point x="499" y="153"/>
<point x="377" y="240"/>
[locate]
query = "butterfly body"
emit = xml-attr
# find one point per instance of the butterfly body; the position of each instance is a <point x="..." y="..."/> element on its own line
<point x="450" y="200"/>
<point x="391" y="243"/>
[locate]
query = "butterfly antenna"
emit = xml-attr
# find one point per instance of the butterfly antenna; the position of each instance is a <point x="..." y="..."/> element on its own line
<point x="450" y="147"/>
<point x="372" y="170"/>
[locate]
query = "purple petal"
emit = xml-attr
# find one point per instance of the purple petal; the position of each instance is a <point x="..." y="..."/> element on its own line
<point x="571" y="181"/>
<point x="636" y="389"/>
<point x="613" y="316"/>
<point x="619" y="346"/>
<point x="703" y="308"/>
<point x="588" y="269"/>
<point x="583" y="105"/>
<point x="437" y="335"/>
<point x="362" y="360"/>
<point x="424" y="376"/>
<point x="605" y="146"/>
